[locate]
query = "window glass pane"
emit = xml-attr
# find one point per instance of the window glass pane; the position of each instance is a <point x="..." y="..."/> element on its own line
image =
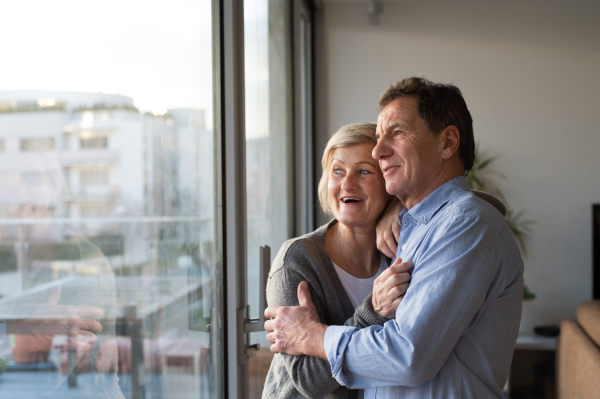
<point x="269" y="154"/>
<point x="108" y="263"/>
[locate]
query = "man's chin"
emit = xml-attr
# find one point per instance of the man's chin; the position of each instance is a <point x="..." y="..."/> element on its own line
<point x="393" y="189"/>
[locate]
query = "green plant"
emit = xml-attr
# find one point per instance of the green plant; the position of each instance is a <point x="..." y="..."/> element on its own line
<point x="484" y="177"/>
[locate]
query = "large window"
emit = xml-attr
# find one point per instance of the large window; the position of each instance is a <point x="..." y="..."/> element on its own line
<point x="110" y="275"/>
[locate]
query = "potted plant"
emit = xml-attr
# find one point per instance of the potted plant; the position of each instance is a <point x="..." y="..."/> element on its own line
<point x="484" y="177"/>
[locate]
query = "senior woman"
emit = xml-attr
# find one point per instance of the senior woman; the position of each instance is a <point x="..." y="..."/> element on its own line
<point x="340" y="262"/>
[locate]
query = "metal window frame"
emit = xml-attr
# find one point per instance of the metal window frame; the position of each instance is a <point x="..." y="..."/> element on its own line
<point x="304" y="158"/>
<point x="233" y="206"/>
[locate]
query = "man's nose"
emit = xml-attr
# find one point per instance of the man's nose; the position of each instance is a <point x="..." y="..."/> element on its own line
<point x="381" y="149"/>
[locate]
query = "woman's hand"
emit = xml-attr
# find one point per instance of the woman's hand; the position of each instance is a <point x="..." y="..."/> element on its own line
<point x="389" y="288"/>
<point x="388" y="229"/>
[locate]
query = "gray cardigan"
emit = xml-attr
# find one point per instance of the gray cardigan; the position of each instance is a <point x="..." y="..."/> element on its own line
<point x="305" y="259"/>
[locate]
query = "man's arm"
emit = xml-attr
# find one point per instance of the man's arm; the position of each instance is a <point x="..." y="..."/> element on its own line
<point x="452" y="280"/>
<point x="388" y="290"/>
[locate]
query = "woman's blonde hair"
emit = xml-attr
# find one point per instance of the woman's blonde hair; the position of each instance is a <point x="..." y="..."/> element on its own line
<point x="352" y="134"/>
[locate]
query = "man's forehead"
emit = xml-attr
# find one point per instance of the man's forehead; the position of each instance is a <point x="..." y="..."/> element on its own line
<point x="398" y="112"/>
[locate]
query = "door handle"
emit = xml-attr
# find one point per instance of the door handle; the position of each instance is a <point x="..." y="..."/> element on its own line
<point x="253" y="325"/>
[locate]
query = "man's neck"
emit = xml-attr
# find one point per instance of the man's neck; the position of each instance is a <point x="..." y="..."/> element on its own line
<point x="412" y="200"/>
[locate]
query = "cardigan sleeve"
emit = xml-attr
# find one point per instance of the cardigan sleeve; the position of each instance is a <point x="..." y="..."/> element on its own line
<point x="365" y="316"/>
<point x="310" y="376"/>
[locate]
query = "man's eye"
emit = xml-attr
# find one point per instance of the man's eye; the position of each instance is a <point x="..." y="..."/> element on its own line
<point x="397" y="132"/>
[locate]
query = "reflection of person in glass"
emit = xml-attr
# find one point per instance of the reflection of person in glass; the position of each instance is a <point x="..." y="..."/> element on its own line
<point x="339" y="261"/>
<point x="73" y="314"/>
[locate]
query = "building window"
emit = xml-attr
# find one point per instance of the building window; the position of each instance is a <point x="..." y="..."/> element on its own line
<point x="93" y="142"/>
<point x="37" y="145"/>
<point x="94" y="178"/>
<point x="94" y="211"/>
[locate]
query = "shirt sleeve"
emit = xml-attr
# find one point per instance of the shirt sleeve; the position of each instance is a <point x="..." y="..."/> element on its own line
<point x="449" y="285"/>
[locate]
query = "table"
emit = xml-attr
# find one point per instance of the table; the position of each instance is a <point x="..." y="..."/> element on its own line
<point x="532" y="369"/>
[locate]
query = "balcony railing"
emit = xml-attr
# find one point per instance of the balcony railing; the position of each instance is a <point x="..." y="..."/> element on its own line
<point x="89" y="157"/>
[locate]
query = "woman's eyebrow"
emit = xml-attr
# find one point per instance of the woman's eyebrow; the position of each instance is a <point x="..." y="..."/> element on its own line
<point x="336" y="159"/>
<point x="367" y="162"/>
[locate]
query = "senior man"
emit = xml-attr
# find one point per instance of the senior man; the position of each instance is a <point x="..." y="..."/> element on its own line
<point x="454" y="331"/>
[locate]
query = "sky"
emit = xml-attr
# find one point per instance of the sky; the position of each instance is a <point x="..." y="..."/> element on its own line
<point x="157" y="52"/>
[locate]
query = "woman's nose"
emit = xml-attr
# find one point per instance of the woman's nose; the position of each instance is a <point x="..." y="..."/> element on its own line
<point x="349" y="182"/>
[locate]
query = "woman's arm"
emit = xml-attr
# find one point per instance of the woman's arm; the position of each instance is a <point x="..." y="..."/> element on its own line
<point x="388" y="229"/>
<point x="388" y="290"/>
<point x="310" y="376"/>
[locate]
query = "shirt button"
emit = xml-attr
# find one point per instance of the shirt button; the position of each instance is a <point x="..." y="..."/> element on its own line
<point x="403" y="246"/>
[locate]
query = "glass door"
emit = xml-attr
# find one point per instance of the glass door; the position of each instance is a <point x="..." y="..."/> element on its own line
<point x="269" y="154"/>
<point x="111" y="236"/>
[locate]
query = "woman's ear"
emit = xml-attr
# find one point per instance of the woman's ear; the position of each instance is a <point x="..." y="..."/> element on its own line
<point x="450" y="141"/>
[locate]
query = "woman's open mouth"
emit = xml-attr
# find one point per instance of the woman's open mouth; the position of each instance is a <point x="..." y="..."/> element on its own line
<point x="351" y="200"/>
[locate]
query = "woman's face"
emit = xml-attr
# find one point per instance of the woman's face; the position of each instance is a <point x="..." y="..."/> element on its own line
<point x="356" y="187"/>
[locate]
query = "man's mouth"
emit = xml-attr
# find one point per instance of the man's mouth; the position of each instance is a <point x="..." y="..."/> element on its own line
<point x="351" y="200"/>
<point x="390" y="169"/>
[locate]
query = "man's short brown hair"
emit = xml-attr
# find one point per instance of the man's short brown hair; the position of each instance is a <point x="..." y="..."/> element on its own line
<point x="439" y="105"/>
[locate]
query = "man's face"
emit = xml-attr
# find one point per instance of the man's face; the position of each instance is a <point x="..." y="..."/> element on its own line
<point x="408" y="153"/>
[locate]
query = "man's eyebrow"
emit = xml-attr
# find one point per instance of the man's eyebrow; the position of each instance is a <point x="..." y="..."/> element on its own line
<point x="395" y="125"/>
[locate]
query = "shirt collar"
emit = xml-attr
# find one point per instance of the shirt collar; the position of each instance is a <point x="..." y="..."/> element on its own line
<point x="426" y="209"/>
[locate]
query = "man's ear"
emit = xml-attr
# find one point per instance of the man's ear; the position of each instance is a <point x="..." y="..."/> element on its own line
<point x="450" y="141"/>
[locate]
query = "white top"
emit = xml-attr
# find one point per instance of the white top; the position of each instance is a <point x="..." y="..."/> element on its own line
<point x="358" y="288"/>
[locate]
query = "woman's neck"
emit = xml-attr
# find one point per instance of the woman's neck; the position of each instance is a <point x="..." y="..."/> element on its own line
<point x="353" y="249"/>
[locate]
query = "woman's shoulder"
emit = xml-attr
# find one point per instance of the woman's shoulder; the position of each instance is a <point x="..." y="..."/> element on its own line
<point x="299" y="252"/>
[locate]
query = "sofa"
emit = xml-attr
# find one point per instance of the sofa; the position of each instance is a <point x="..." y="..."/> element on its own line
<point x="578" y="354"/>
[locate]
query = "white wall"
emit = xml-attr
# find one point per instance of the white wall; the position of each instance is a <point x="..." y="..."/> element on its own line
<point x="530" y="73"/>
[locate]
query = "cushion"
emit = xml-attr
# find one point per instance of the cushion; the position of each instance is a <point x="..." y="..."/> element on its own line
<point x="588" y="316"/>
<point x="578" y="363"/>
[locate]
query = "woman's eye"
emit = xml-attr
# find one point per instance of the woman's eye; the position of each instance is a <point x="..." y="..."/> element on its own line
<point x="336" y="171"/>
<point x="364" y="172"/>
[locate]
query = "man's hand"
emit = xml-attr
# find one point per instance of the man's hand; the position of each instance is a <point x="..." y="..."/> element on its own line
<point x="296" y="329"/>
<point x="60" y="319"/>
<point x="389" y="288"/>
<point x="388" y="230"/>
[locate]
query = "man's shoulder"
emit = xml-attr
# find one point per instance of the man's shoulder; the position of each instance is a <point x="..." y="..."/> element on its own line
<point x="468" y="207"/>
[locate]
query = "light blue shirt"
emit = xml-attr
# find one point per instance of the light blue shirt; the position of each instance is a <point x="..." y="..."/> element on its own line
<point x="455" y="330"/>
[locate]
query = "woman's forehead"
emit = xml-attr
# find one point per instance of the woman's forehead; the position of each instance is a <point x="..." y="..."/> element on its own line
<point x="354" y="154"/>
